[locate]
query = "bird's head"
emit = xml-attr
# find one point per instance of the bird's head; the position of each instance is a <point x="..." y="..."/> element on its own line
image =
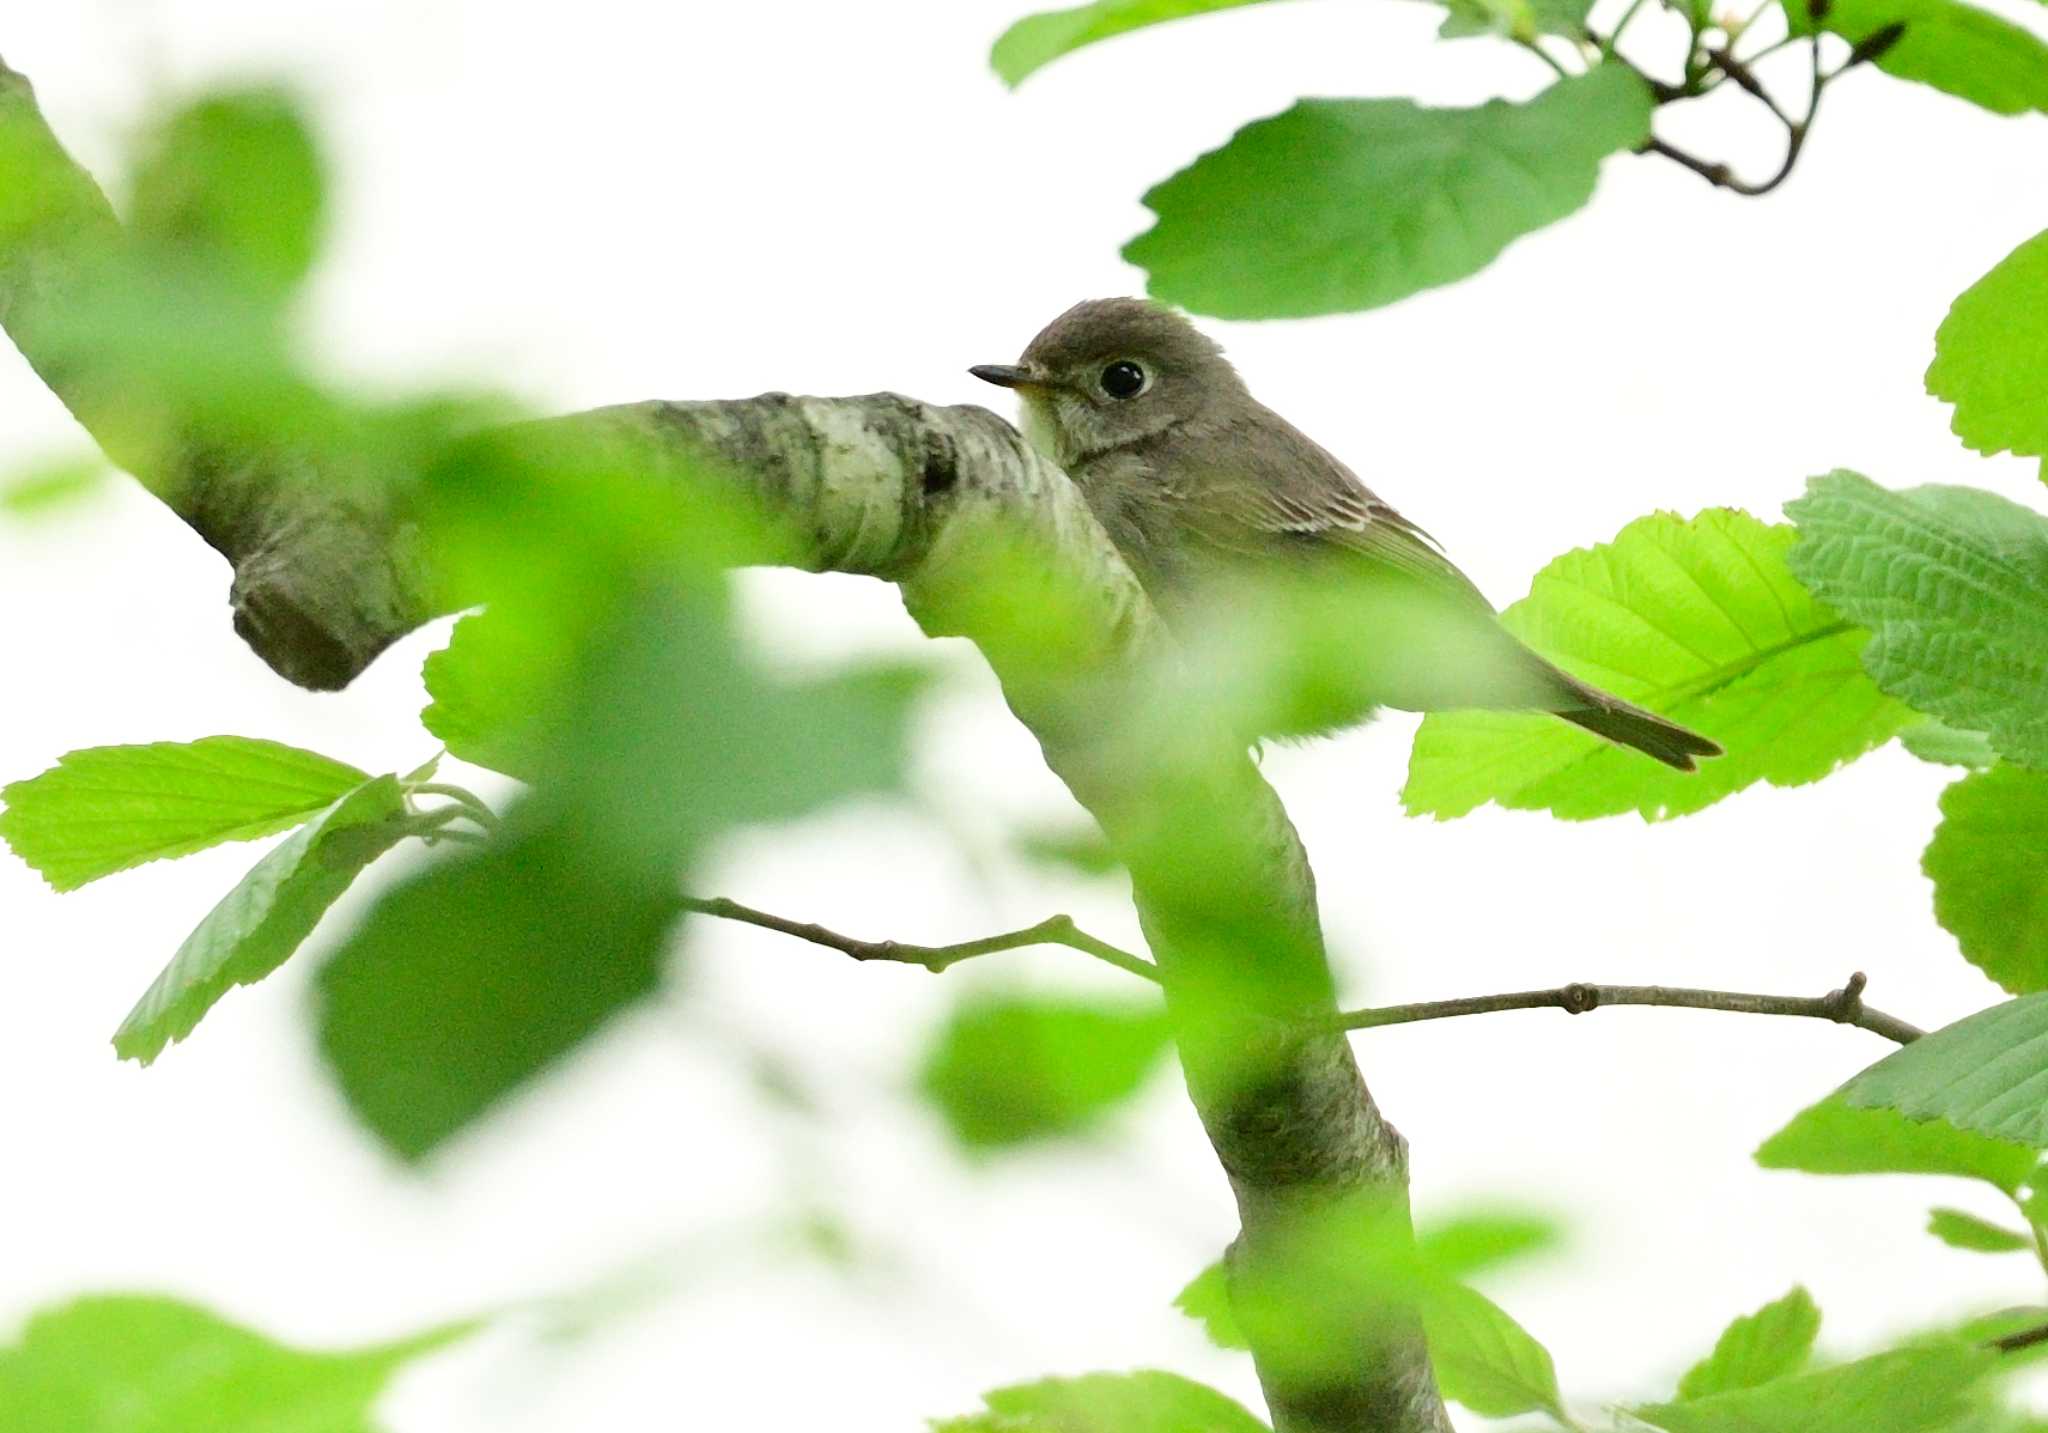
<point x="1111" y="372"/>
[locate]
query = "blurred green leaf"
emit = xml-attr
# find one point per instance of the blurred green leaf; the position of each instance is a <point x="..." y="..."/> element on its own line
<point x="1953" y="583"/>
<point x="1987" y="1073"/>
<point x="42" y="489"/>
<point x="1009" y="1069"/>
<point x="1905" y="1391"/>
<point x="1037" y="40"/>
<point x="266" y="917"/>
<point x="1961" y="1230"/>
<point x="1945" y="745"/>
<point x="480" y="973"/>
<point x="1339" y="205"/>
<point x="1772" y="1343"/>
<point x="1991" y="356"/>
<point x="1141" y="1402"/>
<point x="1082" y="850"/>
<point x="1206" y="1300"/>
<point x="1515" y="19"/>
<point x="1990" y="881"/>
<point x="1958" y="49"/>
<point x="130" y="1364"/>
<point x="109" y="808"/>
<point x="1700" y="620"/>
<point x="1484" y="1359"/>
<point x="1834" y="1137"/>
<point x="1464" y="1244"/>
<point x="1450" y="1250"/>
<point x="233" y="183"/>
<point x="495" y="689"/>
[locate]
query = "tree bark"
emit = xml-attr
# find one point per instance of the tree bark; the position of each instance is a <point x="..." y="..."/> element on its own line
<point x="940" y="501"/>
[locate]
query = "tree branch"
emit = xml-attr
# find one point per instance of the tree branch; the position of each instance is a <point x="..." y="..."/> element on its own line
<point x="1844" y="1006"/>
<point x="942" y="501"/>
<point x="1053" y="930"/>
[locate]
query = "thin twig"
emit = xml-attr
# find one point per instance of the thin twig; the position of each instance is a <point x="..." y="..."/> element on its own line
<point x="1055" y="930"/>
<point x="1796" y="130"/>
<point x="1844" y="1006"/>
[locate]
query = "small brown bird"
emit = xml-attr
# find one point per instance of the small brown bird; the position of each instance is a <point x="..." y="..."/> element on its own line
<point x="1222" y="508"/>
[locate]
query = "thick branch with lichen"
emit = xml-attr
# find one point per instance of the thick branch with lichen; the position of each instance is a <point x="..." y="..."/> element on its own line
<point x="328" y="572"/>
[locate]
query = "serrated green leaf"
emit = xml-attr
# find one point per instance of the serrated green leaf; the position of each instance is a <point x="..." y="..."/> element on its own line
<point x="1007" y="1070"/>
<point x="1945" y="745"/>
<point x="233" y="184"/>
<point x="1834" y="1137"/>
<point x="1700" y="620"/>
<point x="1484" y="1359"/>
<point x="1953" y="584"/>
<point x="1990" y="881"/>
<point x="1962" y="1230"/>
<point x="1958" y="49"/>
<point x="1757" y="1348"/>
<point x="130" y="1364"/>
<point x="1206" y="1300"/>
<point x="266" y="917"/>
<point x="1037" y="40"/>
<point x="1987" y="1073"/>
<point x="1338" y="205"/>
<point x="110" y="808"/>
<point x="1911" y="1390"/>
<point x="1991" y="356"/>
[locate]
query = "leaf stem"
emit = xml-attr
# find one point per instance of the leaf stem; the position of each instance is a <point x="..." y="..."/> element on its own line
<point x="1844" y="1006"/>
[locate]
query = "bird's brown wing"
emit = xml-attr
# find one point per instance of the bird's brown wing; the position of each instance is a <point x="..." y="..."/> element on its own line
<point x="1266" y="490"/>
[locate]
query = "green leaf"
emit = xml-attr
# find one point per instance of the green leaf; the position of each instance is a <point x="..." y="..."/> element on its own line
<point x="1987" y="1073"/>
<point x="1464" y="1244"/>
<point x="479" y="974"/>
<point x="129" y="1364"/>
<point x="1515" y="19"/>
<point x="1958" y="49"/>
<point x="1834" y="1137"/>
<point x="1484" y="1359"/>
<point x="1990" y="882"/>
<point x="1700" y="620"/>
<point x="234" y="184"/>
<point x="266" y="917"/>
<point x="1961" y="1230"/>
<point x="1141" y="1402"/>
<point x="1905" y="1391"/>
<point x="1451" y="1249"/>
<point x="1006" y="1070"/>
<point x="108" y="808"/>
<point x="1953" y="583"/>
<point x="1991" y="356"/>
<point x="46" y="488"/>
<point x="1037" y="40"/>
<point x="1757" y="1348"/>
<point x="1339" y="205"/>
<point x="1206" y="1300"/>
<point x="1944" y="745"/>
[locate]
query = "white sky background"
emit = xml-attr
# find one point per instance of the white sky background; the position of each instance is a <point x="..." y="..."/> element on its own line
<point x="612" y="201"/>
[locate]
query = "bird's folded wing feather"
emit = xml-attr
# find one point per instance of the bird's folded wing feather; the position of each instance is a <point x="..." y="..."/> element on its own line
<point x="1259" y="493"/>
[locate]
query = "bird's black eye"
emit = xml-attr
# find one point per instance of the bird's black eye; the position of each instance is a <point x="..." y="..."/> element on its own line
<point x="1123" y="379"/>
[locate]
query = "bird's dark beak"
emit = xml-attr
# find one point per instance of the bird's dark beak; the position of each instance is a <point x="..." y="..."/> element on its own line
<point x="1004" y="375"/>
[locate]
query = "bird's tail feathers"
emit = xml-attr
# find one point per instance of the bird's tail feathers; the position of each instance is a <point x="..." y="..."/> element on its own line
<point x="1645" y="731"/>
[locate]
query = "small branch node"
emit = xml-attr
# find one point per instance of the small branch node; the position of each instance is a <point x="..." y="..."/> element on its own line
<point x="1580" y="998"/>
